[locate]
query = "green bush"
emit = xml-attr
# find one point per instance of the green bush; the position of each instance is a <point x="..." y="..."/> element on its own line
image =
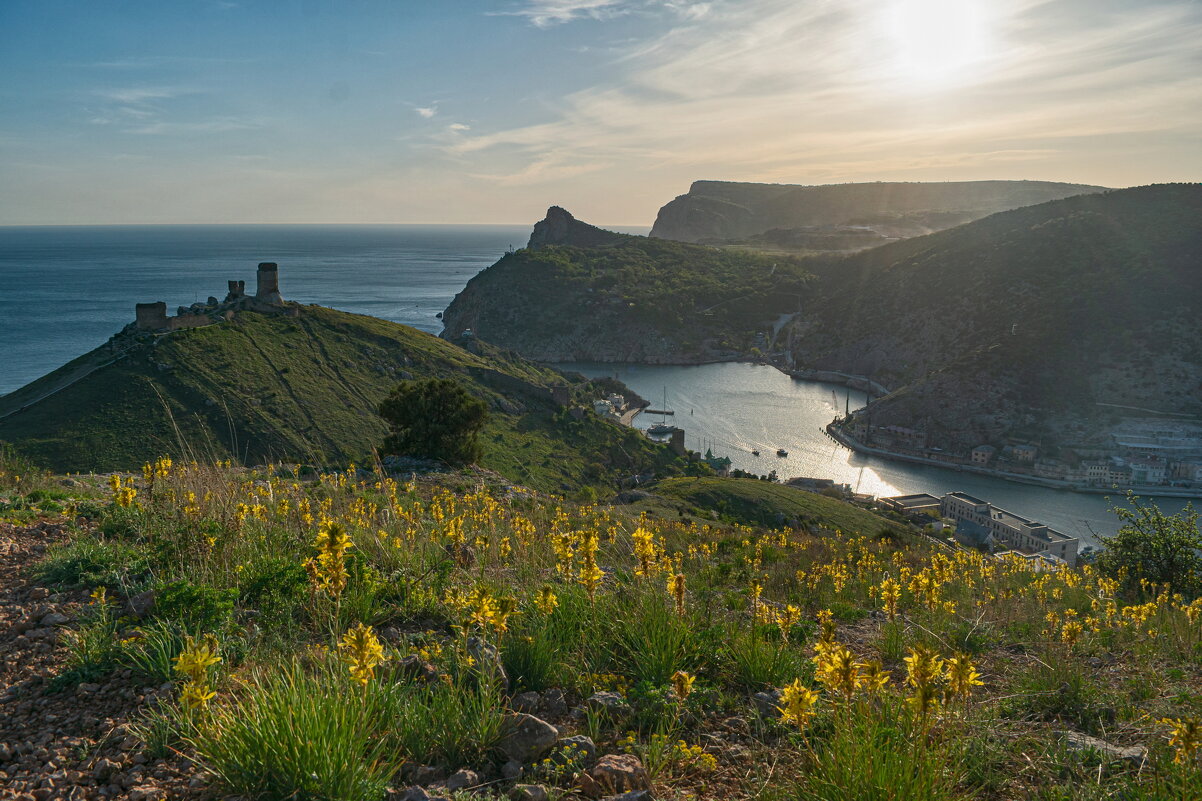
<point x="434" y="418"/>
<point x="275" y="587"/>
<point x="197" y="608"/>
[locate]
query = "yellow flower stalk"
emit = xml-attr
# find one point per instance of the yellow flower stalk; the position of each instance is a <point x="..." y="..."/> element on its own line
<point x="837" y="670"/>
<point x="874" y="679"/>
<point x="197" y="657"/>
<point x="682" y="684"/>
<point x="547" y="600"/>
<point x="676" y="590"/>
<point x="327" y="570"/>
<point x="962" y="676"/>
<point x="924" y="670"/>
<point x="826" y="623"/>
<point x="890" y="592"/>
<point x="362" y="652"/>
<point x="1185" y="738"/>
<point x="797" y="703"/>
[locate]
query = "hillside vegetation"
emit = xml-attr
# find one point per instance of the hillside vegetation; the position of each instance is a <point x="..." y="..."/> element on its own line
<point x="1021" y="323"/>
<point x="752" y="502"/>
<point x="306" y="389"/>
<point x="246" y="633"/>
<point x="639" y="299"/>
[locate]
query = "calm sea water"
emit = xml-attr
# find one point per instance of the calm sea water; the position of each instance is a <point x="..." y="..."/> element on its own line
<point x="65" y="290"/>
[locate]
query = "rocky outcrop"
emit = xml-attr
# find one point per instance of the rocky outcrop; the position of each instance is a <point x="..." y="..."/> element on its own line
<point x="559" y="227"/>
<point x="841" y="216"/>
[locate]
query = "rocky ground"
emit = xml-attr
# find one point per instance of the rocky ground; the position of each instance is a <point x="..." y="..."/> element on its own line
<point x="70" y="743"/>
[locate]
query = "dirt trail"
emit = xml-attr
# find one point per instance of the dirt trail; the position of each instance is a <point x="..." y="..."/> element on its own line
<point x="70" y="744"/>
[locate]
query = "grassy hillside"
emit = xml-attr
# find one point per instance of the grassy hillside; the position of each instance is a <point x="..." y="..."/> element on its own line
<point x="1023" y="320"/>
<point x="584" y="650"/>
<point x="262" y="388"/>
<point x="763" y="503"/>
<point x="638" y="300"/>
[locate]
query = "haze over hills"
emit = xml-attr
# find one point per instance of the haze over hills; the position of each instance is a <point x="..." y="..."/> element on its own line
<point x="304" y="388"/>
<point x="840" y="216"/>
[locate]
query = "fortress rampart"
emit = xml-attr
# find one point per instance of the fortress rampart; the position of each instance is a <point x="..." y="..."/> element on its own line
<point x="267" y="300"/>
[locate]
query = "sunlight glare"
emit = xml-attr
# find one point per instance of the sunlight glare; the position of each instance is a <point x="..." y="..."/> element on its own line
<point x="937" y="41"/>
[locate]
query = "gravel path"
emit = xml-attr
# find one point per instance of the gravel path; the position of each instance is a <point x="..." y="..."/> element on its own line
<point x="70" y="744"/>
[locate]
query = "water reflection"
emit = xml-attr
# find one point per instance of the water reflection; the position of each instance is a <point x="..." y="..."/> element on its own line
<point x="735" y="409"/>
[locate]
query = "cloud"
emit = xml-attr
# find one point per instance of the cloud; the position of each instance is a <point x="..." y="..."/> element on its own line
<point x="458" y="127"/>
<point x="789" y="91"/>
<point x="426" y="112"/>
<point x="216" y="125"/>
<point x="545" y="13"/>
<point x="140" y="94"/>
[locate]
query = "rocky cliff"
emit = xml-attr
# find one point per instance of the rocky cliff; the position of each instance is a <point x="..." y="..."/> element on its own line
<point x="840" y="216"/>
<point x="559" y="227"/>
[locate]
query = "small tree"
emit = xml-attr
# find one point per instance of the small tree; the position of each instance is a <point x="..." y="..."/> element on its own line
<point x="1152" y="545"/>
<point x="434" y="418"/>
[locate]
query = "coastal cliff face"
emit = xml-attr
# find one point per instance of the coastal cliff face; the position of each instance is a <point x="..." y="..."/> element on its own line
<point x="632" y="299"/>
<point x="840" y="216"/>
<point x="1043" y="322"/>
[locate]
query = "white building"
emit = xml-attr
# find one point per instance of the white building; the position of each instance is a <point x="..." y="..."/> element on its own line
<point x="999" y="527"/>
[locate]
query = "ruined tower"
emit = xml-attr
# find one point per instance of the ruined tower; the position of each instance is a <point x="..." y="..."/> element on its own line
<point x="151" y="316"/>
<point x="268" y="290"/>
<point x="237" y="291"/>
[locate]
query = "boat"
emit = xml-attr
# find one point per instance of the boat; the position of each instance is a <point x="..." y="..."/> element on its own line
<point x="781" y="452"/>
<point x="662" y="427"/>
<point x="755" y="453"/>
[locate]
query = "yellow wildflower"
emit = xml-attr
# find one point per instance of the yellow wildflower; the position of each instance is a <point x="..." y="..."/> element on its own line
<point x="363" y="652"/>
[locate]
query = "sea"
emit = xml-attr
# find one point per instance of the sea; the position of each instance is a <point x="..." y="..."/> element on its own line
<point x="66" y="289"/>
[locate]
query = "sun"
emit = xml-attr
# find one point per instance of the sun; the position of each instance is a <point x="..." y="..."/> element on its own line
<point x="937" y="41"/>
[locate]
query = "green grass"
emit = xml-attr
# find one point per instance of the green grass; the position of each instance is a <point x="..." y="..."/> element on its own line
<point x="763" y="503"/>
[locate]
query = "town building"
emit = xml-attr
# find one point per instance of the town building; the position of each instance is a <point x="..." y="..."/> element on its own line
<point x="995" y="527"/>
<point x="983" y="454"/>
<point x="912" y="505"/>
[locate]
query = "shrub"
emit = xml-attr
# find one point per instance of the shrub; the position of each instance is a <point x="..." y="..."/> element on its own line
<point x="1152" y="546"/>
<point x="197" y="608"/>
<point x="434" y="419"/>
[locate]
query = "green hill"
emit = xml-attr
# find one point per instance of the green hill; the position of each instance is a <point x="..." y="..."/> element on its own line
<point x="265" y="387"/>
<point x="1036" y="322"/>
<point x="634" y="299"/>
<point x="763" y="503"/>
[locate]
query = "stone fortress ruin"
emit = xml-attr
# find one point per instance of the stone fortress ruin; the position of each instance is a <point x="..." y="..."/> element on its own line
<point x="267" y="300"/>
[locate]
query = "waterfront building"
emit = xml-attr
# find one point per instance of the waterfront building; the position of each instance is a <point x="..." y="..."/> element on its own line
<point x="1024" y="453"/>
<point x="913" y="505"/>
<point x="983" y="454"/>
<point x="994" y="527"/>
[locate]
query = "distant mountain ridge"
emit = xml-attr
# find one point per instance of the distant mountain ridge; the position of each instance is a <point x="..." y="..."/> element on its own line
<point x="864" y="214"/>
<point x="559" y="227"/>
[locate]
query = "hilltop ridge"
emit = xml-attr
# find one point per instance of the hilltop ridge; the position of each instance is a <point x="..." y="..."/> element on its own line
<point x="840" y="216"/>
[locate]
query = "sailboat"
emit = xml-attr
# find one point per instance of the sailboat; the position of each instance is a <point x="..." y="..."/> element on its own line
<point x="661" y="428"/>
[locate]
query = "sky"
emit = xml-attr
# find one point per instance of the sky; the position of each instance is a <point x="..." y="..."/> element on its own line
<point x="475" y="111"/>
